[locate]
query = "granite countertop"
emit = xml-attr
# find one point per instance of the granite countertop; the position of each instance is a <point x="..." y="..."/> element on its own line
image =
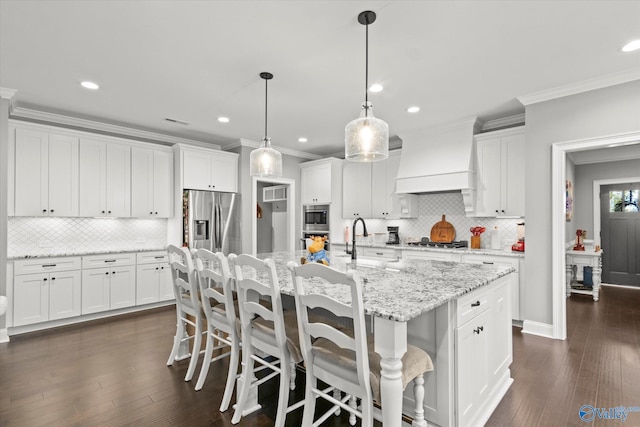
<point x="81" y="253"/>
<point x="482" y="251"/>
<point x="399" y="290"/>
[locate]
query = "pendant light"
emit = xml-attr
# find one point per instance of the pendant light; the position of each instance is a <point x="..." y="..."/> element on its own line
<point x="366" y="138"/>
<point x="265" y="161"/>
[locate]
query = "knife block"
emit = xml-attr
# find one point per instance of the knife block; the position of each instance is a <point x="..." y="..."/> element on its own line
<point x="475" y="242"/>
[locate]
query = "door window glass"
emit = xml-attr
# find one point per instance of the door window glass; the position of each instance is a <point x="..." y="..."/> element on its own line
<point x="623" y="201"/>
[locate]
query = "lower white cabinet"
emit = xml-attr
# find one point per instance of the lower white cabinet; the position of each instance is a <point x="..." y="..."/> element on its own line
<point x="483" y="349"/>
<point x="48" y="289"/>
<point x="153" y="278"/>
<point x="507" y="261"/>
<point x="432" y="255"/>
<point x="108" y="288"/>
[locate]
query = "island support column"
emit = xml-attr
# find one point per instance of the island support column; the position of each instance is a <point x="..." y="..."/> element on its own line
<point x="391" y="345"/>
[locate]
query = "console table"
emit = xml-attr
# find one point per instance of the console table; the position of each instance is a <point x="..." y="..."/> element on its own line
<point x="576" y="261"/>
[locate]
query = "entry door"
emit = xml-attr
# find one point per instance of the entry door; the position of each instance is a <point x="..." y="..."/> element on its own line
<point x="620" y="236"/>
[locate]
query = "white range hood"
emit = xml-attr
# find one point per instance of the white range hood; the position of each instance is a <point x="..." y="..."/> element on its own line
<point x="440" y="159"/>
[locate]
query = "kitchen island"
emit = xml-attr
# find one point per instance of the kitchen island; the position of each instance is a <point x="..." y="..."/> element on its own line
<point x="458" y="312"/>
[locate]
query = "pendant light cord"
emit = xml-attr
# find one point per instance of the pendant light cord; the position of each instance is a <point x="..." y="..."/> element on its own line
<point x="266" y="82"/>
<point x="366" y="70"/>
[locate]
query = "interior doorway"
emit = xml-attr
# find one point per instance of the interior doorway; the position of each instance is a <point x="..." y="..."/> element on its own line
<point x="273" y="224"/>
<point x="558" y="224"/>
<point x="620" y="232"/>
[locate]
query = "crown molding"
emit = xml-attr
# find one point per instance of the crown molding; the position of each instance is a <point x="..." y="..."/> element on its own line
<point x="243" y="142"/>
<point x="580" y="87"/>
<point x="106" y="128"/>
<point x="504" y="122"/>
<point x="6" y="93"/>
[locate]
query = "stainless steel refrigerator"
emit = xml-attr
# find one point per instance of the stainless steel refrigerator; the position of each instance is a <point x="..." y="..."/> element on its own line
<point x="212" y="221"/>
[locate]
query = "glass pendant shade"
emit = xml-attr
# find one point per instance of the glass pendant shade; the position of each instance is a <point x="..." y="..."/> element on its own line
<point x="266" y="161"/>
<point x="366" y="138"/>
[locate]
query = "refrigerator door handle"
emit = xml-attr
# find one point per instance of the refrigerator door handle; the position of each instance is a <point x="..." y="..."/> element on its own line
<point x="218" y="228"/>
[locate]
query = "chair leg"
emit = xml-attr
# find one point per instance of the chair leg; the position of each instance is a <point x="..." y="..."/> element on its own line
<point x="418" y="394"/>
<point x="247" y="374"/>
<point x="292" y="375"/>
<point x="283" y="393"/>
<point x="204" y="370"/>
<point x="352" y="416"/>
<point x="195" y="353"/>
<point x="309" y="400"/>
<point x="177" y="339"/>
<point x="337" y="394"/>
<point x="231" y="374"/>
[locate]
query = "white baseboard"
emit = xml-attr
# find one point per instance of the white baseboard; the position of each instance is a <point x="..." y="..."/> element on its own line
<point x="537" y="328"/>
<point x="620" y="286"/>
<point x="4" y="335"/>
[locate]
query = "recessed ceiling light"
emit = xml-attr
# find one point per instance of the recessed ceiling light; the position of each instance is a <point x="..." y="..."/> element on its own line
<point x="376" y="87"/>
<point x="223" y="119"/>
<point x="90" y="85"/>
<point x="303" y="139"/>
<point x="413" y="109"/>
<point x="631" y="46"/>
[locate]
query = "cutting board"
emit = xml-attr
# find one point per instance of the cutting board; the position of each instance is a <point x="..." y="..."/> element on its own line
<point x="443" y="232"/>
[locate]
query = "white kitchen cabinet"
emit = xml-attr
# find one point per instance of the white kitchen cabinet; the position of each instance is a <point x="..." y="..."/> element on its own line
<point x="506" y="261"/>
<point x="151" y="183"/>
<point x="356" y="190"/>
<point x="483" y="349"/>
<point x="48" y="289"/>
<point x="383" y="184"/>
<point x="317" y="181"/>
<point x="211" y="170"/>
<point x="500" y="173"/>
<point x="108" y="282"/>
<point x="274" y="193"/>
<point x="383" y="254"/>
<point x="105" y="178"/>
<point x="153" y="282"/>
<point x="46" y="173"/>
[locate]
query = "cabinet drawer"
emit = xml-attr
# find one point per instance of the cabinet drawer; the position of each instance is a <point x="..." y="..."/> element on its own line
<point x="108" y="260"/>
<point x="46" y="265"/>
<point x="428" y="255"/>
<point x="380" y="253"/>
<point x="471" y="305"/>
<point x="152" y="257"/>
<point x="492" y="260"/>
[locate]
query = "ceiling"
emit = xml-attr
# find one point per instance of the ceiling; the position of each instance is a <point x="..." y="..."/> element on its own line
<point x="196" y="60"/>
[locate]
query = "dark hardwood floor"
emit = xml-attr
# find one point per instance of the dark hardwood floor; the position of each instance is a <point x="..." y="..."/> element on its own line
<point x="113" y="373"/>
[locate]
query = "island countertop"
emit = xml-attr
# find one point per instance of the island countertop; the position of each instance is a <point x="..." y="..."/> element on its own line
<point x="400" y="290"/>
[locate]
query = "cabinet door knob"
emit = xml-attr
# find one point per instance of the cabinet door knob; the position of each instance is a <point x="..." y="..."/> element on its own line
<point x="475" y="304"/>
<point x="150" y="213"/>
<point x="45" y="279"/>
<point x="107" y="273"/>
<point x="53" y="278"/>
<point x="156" y="213"/>
<point x="497" y="211"/>
<point x="51" y="210"/>
<point x="102" y="211"/>
<point x="109" y="212"/>
<point x="44" y="211"/>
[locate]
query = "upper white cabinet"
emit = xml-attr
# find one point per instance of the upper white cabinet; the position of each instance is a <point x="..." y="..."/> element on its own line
<point x="500" y="173"/>
<point x="369" y="190"/>
<point x="151" y="183"/>
<point x="356" y="190"/>
<point x="105" y="179"/>
<point x="211" y="170"/>
<point x="274" y="193"/>
<point x="317" y="181"/>
<point x="46" y="173"/>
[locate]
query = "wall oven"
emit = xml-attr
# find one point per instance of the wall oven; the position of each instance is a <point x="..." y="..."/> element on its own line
<point x="316" y="218"/>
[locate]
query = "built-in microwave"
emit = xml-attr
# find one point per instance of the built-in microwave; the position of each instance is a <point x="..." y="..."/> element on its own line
<point x="316" y="218"/>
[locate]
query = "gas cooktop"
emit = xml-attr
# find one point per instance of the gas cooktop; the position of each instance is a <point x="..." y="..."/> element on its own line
<point x="451" y="245"/>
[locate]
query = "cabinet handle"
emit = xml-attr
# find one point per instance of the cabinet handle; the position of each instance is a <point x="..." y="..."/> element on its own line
<point x="478" y="330"/>
<point x="161" y="268"/>
<point x="156" y="213"/>
<point x="379" y="253"/>
<point x="159" y="257"/>
<point x="497" y="211"/>
<point x="113" y="272"/>
<point x="107" y="273"/>
<point x="53" y="278"/>
<point x="502" y="210"/>
<point x="109" y="260"/>
<point x="108" y="211"/>
<point x="45" y="279"/>
<point x="475" y="304"/>
<point x="157" y="268"/>
<point x="487" y="262"/>
<point x="44" y="211"/>
<point x="51" y="210"/>
<point x="48" y="265"/>
<point x="150" y="213"/>
<point x="102" y="211"/>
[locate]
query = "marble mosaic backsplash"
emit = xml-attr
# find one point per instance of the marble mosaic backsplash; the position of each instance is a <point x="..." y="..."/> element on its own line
<point x="30" y="236"/>
<point x="431" y="207"/>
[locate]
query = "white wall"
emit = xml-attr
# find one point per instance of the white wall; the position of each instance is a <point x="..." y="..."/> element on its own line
<point x="602" y="112"/>
<point x="585" y="175"/>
